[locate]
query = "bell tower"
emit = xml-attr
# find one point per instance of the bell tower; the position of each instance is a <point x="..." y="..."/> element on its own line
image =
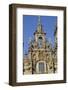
<point x="39" y="34"/>
<point x="39" y="63"/>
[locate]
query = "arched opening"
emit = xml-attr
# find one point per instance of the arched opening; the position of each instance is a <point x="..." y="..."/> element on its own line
<point x="41" y="67"/>
<point x="40" y="42"/>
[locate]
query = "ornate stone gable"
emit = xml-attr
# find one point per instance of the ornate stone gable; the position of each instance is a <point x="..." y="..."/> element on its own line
<point x="40" y="58"/>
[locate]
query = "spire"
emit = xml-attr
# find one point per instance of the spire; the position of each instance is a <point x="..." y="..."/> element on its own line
<point x="55" y="32"/>
<point x="39" y="20"/>
<point x="39" y="27"/>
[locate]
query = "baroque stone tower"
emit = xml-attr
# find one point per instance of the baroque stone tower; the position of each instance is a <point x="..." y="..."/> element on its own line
<point x="40" y="59"/>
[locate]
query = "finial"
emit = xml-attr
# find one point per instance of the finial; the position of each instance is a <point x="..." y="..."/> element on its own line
<point x="39" y="20"/>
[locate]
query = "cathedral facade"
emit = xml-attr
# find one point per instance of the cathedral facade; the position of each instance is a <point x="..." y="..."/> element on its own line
<point x="41" y="57"/>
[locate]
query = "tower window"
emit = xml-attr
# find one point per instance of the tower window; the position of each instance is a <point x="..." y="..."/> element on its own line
<point x="40" y="37"/>
<point x="40" y="42"/>
<point x="41" y="68"/>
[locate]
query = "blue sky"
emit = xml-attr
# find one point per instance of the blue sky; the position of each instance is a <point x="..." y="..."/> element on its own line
<point x="30" y="24"/>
